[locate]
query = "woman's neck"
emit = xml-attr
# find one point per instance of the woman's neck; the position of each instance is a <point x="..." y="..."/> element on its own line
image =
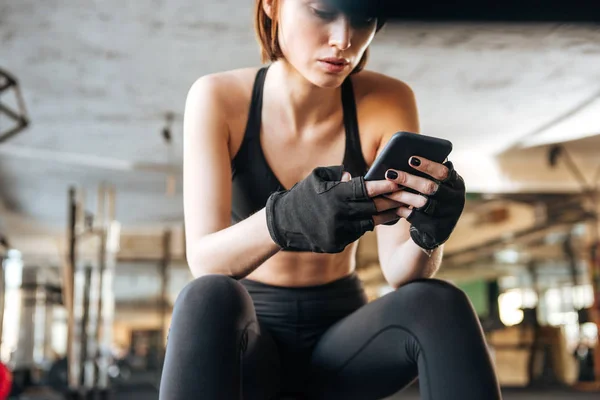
<point x="299" y="103"/>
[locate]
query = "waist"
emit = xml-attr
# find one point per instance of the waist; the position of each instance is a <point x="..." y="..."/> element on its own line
<point x="347" y="286"/>
<point x="304" y="269"/>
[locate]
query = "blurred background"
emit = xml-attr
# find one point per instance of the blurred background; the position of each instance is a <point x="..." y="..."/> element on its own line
<point x="91" y="218"/>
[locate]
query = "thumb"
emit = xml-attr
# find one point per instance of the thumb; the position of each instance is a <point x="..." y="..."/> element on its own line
<point x="346" y="177"/>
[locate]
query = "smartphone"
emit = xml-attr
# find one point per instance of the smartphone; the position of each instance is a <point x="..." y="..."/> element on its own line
<point x="401" y="147"/>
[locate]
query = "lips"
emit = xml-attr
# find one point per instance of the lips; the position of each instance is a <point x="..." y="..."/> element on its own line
<point x="335" y="61"/>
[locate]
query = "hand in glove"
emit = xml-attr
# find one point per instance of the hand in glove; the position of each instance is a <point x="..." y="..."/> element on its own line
<point x="328" y="210"/>
<point x="433" y="206"/>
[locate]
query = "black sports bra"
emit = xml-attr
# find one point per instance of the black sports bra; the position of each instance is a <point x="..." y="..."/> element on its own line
<point x="253" y="181"/>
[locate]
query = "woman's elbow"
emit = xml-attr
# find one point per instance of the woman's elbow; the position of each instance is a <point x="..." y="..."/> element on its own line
<point x="200" y="267"/>
<point x="197" y="266"/>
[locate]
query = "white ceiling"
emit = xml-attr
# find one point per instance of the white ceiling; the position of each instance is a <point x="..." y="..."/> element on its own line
<point x="98" y="78"/>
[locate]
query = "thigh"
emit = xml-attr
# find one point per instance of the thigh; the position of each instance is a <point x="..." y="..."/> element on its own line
<point x="261" y="367"/>
<point x="216" y="346"/>
<point x="364" y="356"/>
<point x="427" y="327"/>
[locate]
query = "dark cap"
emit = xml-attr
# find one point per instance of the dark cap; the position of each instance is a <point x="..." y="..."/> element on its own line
<point x="361" y="8"/>
<point x="371" y="8"/>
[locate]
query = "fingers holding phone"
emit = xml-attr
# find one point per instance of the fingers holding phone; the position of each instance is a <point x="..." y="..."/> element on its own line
<point x="439" y="172"/>
<point x="431" y="191"/>
<point x="421" y="187"/>
<point x="389" y="201"/>
<point x="410" y="181"/>
<point x="433" y="169"/>
<point x="386" y="207"/>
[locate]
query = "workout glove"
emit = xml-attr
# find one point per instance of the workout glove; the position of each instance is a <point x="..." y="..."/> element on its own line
<point x="320" y="214"/>
<point x="432" y="224"/>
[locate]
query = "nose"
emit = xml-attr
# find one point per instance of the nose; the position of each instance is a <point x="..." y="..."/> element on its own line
<point x="341" y="33"/>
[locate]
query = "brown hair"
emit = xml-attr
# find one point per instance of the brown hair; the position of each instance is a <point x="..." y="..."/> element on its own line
<point x="266" y="33"/>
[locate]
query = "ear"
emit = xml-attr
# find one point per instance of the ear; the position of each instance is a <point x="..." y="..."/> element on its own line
<point x="268" y="7"/>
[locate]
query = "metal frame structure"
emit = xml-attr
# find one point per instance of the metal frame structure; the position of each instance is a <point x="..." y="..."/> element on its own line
<point x="93" y="242"/>
<point x="19" y="117"/>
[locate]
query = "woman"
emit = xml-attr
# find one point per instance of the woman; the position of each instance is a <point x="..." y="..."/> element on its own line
<point x="276" y="309"/>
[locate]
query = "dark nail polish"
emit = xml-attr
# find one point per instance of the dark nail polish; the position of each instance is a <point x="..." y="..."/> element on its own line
<point x="391" y="174"/>
<point x="414" y="161"/>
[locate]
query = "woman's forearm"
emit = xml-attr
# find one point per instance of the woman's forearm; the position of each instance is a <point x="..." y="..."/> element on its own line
<point x="235" y="251"/>
<point x="410" y="262"/>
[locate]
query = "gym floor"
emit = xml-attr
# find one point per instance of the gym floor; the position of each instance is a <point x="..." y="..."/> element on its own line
<point x="148" y="392"/>
<point x="141" y="393"/>
<point x="517" y="394"/>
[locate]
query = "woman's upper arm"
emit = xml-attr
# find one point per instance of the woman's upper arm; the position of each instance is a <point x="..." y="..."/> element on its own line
<point x="206" y="161"/>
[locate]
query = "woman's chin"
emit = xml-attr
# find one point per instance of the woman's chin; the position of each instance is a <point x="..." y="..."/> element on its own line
<point x="325" y="80"/>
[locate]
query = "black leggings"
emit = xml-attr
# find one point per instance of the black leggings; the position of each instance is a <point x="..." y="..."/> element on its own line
<point x="247" y="340"/>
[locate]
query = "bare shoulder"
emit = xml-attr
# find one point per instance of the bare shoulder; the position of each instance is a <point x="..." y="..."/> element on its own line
<point x="229" y="88"/>
<point x="224" y="95"/>
<point x="374" y="87"/>
<point x="385" y="105"/>
<point x="382" y="93"/>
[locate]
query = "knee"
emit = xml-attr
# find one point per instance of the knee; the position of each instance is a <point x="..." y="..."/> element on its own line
<point x="435" y="296"/>
<point x="436" y="290"/>
<point x="213" y="293"/>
